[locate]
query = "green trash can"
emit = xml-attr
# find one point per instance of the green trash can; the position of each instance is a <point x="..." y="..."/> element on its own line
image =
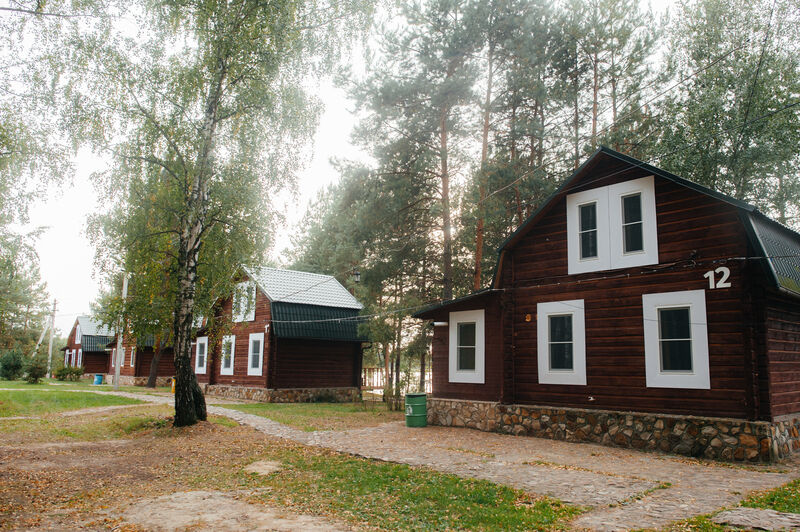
<point x="416" y="410"/>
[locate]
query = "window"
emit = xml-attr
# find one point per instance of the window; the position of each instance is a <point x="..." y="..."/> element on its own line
<point x="122" y="358"/>
<point x="612" y="227"/>
<point x="676" y="340"/>
<point x="78" y="337"/>
<point x="228" y="349"/>
<point x="561" y="342"/>
<point x="113" y="357"/>
<point x="255" y="357"/>
<point x="66" y="357"/>
<point x="133" y="356"/>
<point x="80" y="357"/>
<point x="244" y="302"/>
<point x="588" y="230"/>
<point x="201" y="355"/>
<point x="467" y="346"/>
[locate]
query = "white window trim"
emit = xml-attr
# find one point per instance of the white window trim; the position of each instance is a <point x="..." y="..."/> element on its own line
<point x="603" y="259"/>
<point x="197" y="368"/>
<point x="72" y="358"/>
<point x="133" y="356"/>
<point x="222" y="369"/>
<point x="113" y="357"/>
<point x="610" y="250"/>
<point x="66" y="357"/>
<point x="122" y="358"/>
<point x="576" y="376"/>
<point x="78" y="337"/>
<point x="649" y="255"/>
<point x="257" y="371"/>
<point x="476" y="376"/>
<point x="699" y="378"/>
<point x="247" y="291"/>
<point x="80" y="357"/>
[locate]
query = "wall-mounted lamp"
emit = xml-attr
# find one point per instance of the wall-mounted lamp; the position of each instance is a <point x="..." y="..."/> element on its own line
<point x="356" y="275"/>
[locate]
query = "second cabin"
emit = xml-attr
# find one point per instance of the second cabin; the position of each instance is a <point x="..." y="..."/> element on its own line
<point x="293" y="338"/>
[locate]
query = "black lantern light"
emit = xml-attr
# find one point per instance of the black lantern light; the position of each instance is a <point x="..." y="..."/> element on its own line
<point x="356" y="275"/>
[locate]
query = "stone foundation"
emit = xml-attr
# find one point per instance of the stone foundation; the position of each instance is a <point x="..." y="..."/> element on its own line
<point x="128" y="380"/>
<point x="283" y="395"/>
<point x="712" y="438"/>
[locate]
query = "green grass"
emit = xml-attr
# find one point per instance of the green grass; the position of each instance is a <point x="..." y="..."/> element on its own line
<point x="391" y="496"/>
<point x="37" y="402"/>
<point x="321" y="416"/>
<point x="53" y="384"/>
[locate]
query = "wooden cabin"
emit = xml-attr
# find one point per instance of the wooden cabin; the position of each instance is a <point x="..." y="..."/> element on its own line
<point x="137" y="356"/>
<point x="637" y="309"/>
<point x="86" y="345"/>
<point x="293" y="338"/>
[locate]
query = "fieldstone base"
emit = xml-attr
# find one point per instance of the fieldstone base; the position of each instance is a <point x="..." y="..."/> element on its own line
<point x="128" y="380"/>
<point x="712" y="438"/>
<point x="283" y="395"/>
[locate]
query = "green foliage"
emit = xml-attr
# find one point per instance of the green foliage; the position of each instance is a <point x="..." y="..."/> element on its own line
<point x="783" y="499"/>
<point x="11" y="365"/>
<point x="36" y="369"/>
<point x="71" y="373"/>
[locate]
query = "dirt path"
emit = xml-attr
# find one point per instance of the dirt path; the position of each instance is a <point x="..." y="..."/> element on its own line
<point x="625" y="488"/>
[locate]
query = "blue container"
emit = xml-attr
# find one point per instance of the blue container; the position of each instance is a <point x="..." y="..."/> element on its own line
<point x="98" y="378"/>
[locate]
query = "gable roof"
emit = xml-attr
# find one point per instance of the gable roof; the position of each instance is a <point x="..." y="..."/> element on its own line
<point x="92" y="327"/>
<point x="778" y="244"/>
<point x="304" y="288"/>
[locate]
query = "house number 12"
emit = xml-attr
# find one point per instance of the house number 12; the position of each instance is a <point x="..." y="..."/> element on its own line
<point x="724" y="274"/>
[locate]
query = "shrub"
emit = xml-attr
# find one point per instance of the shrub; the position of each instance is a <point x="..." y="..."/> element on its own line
<point x="11" y="365"/>
<point x="69" y="373"/>
<point x="36" y="370"/>
<point x="76" y="373"/>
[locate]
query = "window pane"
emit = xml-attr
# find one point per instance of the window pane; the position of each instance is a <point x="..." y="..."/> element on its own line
<point x="588" y="244"/>
<point x="466" y="334"/>
<point x="201" y="349"/>
<point x="255" y="346"/>
<point x="561" y="328"/>
<point x="254" y="360"/>
<point x="634" y="239"/>
<point x="588" y="215"/>
<point x="561" y="356"/>
<point x="676" y="355"/>
<point x="466" y="358"/>
<point x="674" y="323"/>
<point x="632" y="209"/>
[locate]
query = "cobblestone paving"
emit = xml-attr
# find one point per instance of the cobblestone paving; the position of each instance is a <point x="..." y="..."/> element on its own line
<point x="625" y="488"/>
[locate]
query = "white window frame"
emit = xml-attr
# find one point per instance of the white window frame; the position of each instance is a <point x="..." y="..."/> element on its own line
<point x="66" y="357"/>
<point x="649" y="255"/>
<point x="78" y="337"/>
<point x="80" y="357"/>
<point x="113" y="356"/>
<point x="201" y="370"/>
<point x="610" y="245"/>
<point x="133" y="356"/>
<point x="72" y="357"/>
<point x="122" y="359"/>
<point x="699" y="377"/>
<point x="577" y="375"/>
<point x="251" y="370"/>
<point x="222" y="369"/>
<point x="244" y="291"/>
<point x="476" y="376"/>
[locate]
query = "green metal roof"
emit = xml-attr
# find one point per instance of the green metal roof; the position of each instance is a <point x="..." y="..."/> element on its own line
<point x="781" y="248"/>
<point x="94" y="343"/>
<point x="293" y="320"/>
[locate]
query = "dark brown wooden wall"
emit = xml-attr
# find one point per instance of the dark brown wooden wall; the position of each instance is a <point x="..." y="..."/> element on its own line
<point x="695" y="233"/>
<point x="783" y="354"/>
<point x="316" y="364"/>
<point x="166" y="364"/>
<point x="94" y="362"/>
<point x="491" y="389"/>
<point x="242" y="331"/>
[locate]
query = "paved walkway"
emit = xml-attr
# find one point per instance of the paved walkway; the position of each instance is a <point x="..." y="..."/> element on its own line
<point x="625" y="488"/>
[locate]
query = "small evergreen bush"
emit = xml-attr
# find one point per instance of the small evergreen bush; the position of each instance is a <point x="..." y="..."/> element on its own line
<point x="11" y="365"/>
<point x="36" y="370"/>
<point x="65" y="373"/>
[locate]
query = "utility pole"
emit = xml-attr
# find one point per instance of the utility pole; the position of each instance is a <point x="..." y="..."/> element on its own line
<point x="120" y="332"/>
<point x="50" y="343"/>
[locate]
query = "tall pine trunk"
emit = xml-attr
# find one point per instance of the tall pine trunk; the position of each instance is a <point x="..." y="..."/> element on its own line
<point x="447" y="255"/>
<point x="476" y="279"/>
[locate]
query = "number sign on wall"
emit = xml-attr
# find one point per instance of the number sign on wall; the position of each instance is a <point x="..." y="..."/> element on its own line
<point x="721" y="281"/>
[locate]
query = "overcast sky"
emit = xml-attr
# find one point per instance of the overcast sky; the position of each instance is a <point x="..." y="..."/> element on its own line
<point x="67" y="257"/>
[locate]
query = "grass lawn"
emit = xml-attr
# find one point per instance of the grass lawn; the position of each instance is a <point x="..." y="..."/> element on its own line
<point x="783" y="499"/>
<point x="37" y="402"/>
<point x="321" y="416"/>
<point x="71" y="483"/>
<point x="53" y="384"/>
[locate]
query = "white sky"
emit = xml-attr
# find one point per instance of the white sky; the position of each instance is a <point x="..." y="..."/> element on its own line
<point x="67" y="257"/>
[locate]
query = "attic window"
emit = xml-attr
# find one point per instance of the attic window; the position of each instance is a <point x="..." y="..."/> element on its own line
<point x="78" y="334"/>
<point x="632" y="224"/>
<point x="244" y="302"/>
<point x="588" y="230"/>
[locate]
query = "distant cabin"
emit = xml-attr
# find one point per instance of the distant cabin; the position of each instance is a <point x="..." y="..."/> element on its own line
<point x="86" y="345"/>
<point x="294" y="337"/>
<point x="137" y="356"/>
<point x="634" y="308"/>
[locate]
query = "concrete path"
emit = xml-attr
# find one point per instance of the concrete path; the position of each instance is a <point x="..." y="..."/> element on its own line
<point x="625" y="488"/>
